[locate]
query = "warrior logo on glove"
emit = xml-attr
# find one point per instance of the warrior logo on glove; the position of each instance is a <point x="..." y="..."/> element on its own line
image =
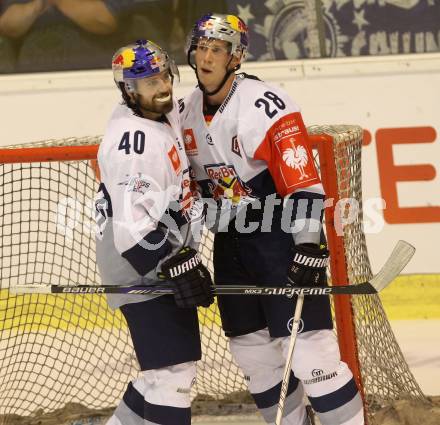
<point x="185" y="266"/>
<point x="310" y="261"/>
<point x="193" y="284"/>
<point x="308" y="266"/>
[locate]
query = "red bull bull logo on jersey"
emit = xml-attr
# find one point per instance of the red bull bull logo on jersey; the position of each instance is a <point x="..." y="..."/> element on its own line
<point x="225" y="183"/>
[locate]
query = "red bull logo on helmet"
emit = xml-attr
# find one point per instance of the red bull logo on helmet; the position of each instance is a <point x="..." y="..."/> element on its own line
<point x="119" y="60"/>
<point x="139" y="60"/>
<point x="206" y="25"/>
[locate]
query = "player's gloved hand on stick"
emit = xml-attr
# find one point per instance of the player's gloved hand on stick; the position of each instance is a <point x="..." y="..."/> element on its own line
<point x="308" y="267"/>
<point x="192" y="279"/>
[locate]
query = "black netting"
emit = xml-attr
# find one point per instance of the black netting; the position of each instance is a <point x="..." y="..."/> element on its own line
<point x="65" y="349"/>
<point x="71" y="349"/>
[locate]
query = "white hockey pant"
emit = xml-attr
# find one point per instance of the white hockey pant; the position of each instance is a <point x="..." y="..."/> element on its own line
<point x="326" y="380"/>
<point x="158" y="396"/>
<point x="261" y="360"/>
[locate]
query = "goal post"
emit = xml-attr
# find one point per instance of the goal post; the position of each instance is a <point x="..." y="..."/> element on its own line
<point x="365" y="337"/>
<point x="329" y="145"/>
<point x="58" y="349"/>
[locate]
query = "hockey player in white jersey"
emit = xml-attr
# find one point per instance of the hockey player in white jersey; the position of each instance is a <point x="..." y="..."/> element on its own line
<point x="146" y="214"/>
<point x="248" y="147"/>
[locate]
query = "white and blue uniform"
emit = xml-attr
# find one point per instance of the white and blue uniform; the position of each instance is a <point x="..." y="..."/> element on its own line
<point x="145" y="204"/>
<point x="251" y="158"/>
<point x="146" y="212"/>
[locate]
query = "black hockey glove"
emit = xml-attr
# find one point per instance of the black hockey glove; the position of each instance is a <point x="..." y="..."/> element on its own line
<point x="192" y="279"/>
<point x="308" y="266"/>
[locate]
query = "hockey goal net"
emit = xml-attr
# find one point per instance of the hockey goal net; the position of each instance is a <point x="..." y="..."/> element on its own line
<point x="61" y="349"/>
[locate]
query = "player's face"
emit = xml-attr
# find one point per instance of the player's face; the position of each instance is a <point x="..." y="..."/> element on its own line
<point x="155" y="94"/>
<point x="212" y="58"/>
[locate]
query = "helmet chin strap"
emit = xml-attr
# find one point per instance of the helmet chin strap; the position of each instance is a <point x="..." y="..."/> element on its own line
<point x="134" y="106"/>
<point x="220" y="86"/>
<point x="222" y="83"/>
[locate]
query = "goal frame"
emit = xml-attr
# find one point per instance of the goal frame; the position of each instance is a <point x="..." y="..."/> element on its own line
<point x="346" y="331"/>
<point x="322" y="140"/>
<point x="338" y="267"/>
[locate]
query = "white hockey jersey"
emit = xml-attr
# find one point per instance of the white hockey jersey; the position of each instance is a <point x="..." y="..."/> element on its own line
<point x="145" y="206"/>
<point x="255" y="145"/>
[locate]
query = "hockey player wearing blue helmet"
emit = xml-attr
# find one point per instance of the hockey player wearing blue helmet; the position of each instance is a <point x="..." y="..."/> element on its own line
<point x="146" y="214"/>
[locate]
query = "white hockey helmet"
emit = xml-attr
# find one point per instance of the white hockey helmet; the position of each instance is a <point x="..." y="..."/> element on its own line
<point x="229" y="28"/>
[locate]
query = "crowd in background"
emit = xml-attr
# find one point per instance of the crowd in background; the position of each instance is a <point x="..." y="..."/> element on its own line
<point x="56" y="35"/>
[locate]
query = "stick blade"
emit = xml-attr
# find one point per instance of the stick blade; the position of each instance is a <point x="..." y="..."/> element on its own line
<point x="29" y="289"/>
<point x="399" y="258"/>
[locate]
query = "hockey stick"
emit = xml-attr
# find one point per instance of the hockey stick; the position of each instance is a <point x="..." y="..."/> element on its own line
<point x="288" y="367"/>
<point x="398" y="259"/>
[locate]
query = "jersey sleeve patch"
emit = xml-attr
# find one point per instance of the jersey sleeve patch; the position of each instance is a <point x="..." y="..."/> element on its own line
<point x="286" y="150"/>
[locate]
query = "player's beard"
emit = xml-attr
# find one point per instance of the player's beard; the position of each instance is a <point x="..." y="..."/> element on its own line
<point x="154" y="105"/>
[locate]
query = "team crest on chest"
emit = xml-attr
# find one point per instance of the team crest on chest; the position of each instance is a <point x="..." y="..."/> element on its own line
<point x="225" y="184"/>
<point x="190" y="142"/>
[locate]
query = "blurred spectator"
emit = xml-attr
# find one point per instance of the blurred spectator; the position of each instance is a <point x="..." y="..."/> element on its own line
<point x="69" y="34"/>
<point x="8" y="46"/>
<point x="91" y="15"/>
<point x="16" y="19"/>
<point x="7" y="55"/>
<point x="56" y="35"/>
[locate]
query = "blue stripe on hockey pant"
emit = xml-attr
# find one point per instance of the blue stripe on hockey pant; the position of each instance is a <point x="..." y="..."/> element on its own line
<point x="260" y="358"/>
<point x="343" y="406"/>
<point x="160" y="396"/>
<point x="327" y="381"/>
<point x="267" y="403"/>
